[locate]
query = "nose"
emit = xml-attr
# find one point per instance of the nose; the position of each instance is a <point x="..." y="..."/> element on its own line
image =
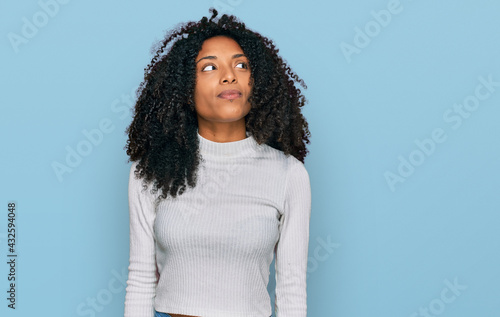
<point x="228" y="76"/>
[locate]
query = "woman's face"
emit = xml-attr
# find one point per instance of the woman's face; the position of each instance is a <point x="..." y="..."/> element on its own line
<point x="222" y="82"/>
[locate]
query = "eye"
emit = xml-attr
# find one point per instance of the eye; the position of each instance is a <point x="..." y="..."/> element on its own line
<point x="244" y="65"/>
<point x="204" y="68"/>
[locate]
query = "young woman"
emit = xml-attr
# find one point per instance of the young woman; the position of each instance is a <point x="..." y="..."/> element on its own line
<point x="220" y="113"/>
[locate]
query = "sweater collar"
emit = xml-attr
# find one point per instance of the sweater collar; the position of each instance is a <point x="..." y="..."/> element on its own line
<point x="238" y="148"/>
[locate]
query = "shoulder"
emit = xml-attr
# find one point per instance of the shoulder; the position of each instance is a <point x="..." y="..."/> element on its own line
<point x="297" y="174"/>
<point x="133" y="178"/>
<point x="132" y="169"/>
<point x="276" y="155"/>
<point x="297" y="188"/>
<point x="139" y="185"/>
<point x="288" y="164"/>
<point x="293" y="173"/>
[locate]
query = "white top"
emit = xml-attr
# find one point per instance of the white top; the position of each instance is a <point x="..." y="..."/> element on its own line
<point x="208" y="251"/>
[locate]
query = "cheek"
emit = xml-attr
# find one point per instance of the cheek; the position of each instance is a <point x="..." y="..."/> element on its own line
<point x="203" y="89"/>
<point x="198" y="91"/>
<point x="250" y="83"/>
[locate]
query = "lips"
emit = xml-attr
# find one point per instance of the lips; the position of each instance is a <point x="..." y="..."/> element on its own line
<point x="229" y="94"/>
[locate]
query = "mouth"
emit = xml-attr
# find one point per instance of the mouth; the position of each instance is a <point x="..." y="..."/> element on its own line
<point x="229" y="94"/>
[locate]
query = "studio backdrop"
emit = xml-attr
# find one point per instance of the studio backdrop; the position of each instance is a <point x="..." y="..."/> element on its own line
<point x="404" y="160"/>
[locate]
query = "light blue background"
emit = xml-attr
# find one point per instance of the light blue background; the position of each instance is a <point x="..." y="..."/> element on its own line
<point x="392" y="252"/>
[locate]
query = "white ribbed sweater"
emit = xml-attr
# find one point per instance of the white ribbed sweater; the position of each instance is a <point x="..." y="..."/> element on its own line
<point x="208" y="251"/>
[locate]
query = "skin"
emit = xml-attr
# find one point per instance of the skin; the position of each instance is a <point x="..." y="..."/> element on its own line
<point x="217" y="69"/>
<point x="221" y="65"/>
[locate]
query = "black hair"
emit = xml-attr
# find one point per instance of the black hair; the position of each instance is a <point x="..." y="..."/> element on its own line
<point x="163" y="133"/>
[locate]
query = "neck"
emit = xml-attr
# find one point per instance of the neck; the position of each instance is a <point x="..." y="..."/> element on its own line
<point x="239" y="148"/>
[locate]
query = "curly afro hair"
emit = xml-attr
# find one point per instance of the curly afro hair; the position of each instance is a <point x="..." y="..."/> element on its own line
<point x="163" y="133"/>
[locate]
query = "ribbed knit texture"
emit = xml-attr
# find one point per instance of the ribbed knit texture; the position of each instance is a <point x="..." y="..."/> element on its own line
<point x="208" y="251"/>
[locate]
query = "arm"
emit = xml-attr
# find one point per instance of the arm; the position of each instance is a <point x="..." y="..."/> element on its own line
<point x="142" y="279"/>
<point x="292" y="246"/>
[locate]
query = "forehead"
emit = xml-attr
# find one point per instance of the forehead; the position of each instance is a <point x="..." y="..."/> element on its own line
<point x="220" y="45"/>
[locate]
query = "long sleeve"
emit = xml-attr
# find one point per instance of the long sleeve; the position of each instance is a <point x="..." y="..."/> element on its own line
<point x="292" y="246"/>
<point x="142" y="276"/>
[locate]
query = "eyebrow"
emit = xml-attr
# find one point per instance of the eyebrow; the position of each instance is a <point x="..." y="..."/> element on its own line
<point x="215" y="57"/>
